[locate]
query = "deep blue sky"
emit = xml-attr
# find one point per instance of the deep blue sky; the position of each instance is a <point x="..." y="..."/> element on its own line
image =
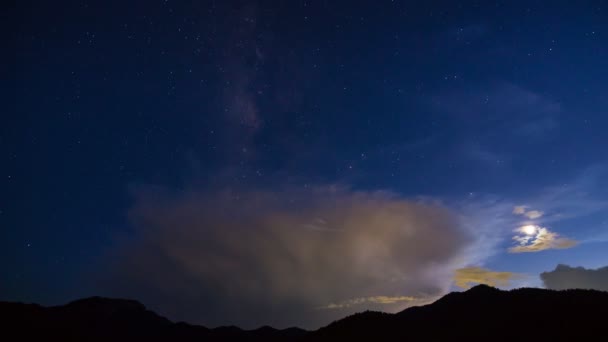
<point x="480" y="106"/>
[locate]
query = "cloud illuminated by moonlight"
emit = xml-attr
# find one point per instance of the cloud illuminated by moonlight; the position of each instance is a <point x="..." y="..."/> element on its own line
<point x="532" y="238"/>
<point x="275" y="257"/>
<point x="531" y="214"/>
<point x="469" y="276"/>
<point x="375" y="299"/>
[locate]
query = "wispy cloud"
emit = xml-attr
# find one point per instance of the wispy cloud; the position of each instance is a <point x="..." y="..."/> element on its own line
<point x="519" y="210"/>
<point x="493" y="220"/>
<point x="370" y="300"/>
<point x="534" y="214"/>
<point x="531" y="214"/>
<point x="484" y="155"/>
<point x="488" y="219"/>
<point x="498" y="100"/>
<point x="469" y="276"/>
<point x="499" y="109"/>
<point x="580" y="197"/>
<point x="580" y="202"/>
<point x="537" y="128"/>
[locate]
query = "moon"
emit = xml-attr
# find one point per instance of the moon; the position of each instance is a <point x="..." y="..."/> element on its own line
<point x="529" y="229"/>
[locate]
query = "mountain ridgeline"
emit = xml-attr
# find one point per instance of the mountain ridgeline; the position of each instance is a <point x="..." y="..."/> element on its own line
<point x="482" y="313"/>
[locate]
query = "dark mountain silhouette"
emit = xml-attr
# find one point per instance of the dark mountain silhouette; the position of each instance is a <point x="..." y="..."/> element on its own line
<point x="482" y="313"/>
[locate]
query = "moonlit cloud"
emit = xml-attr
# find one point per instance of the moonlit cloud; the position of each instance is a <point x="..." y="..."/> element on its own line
<point x="519" y="210"/>
<point x="469" y="276"/>
<point x="375" y="299"/>
<point x="534" y="238"/>
<point x="272" y="257"/>
<point x="566" y="277"/>
<point x="539" y="239"/>
<point x="531" y="214"/>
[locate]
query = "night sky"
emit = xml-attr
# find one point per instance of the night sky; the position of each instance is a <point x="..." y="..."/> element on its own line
<point x="293" y="162"/>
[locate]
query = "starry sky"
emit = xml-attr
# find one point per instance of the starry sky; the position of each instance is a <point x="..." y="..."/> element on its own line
<point x="293" y="162"/>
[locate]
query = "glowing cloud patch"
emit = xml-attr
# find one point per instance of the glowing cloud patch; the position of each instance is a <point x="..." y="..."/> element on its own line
<point x="532" y="238"/>
<point x="519" y="210"/>
<point x="531" y="214"/>
<point x="367" y="300"/>
<point x="469" y="276"/>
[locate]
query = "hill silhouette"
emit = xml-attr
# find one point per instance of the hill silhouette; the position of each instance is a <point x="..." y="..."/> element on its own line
<point x="482" y="313"/>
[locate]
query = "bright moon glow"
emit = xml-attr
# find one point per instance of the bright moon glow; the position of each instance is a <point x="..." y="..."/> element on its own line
<point x="529" y="229"/>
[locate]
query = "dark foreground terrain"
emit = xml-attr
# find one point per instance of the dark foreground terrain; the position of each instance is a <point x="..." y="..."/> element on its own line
<point x="480" y="314"/>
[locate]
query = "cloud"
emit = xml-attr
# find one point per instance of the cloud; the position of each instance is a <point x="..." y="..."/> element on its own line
<point x="272" y="257"/>
<point x="580" y="197"/>
<point x="499" y="109"/>
<point x="519" y="210"/>
<point x="482" y="154"/>
<point x="579" y="203"/>
<point x="532" y="238"/>
<point x="537" y="127"/>
<point x="531" y="214"/>
<point x="468" y="276"/>
<point x="566" y="277"/>
<point x="375" y="299"/>
<point x="496" y="100"/>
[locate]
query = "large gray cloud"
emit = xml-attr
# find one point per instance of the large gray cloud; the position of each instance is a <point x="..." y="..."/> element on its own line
<point x="284" y="257"/>
<point x="566" y="277"/>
